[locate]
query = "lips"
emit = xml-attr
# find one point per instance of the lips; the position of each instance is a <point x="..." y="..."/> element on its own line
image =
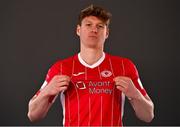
<point x="92" y="36"/>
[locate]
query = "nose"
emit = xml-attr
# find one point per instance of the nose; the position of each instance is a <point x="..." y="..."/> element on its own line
<point x="94" y="29"/>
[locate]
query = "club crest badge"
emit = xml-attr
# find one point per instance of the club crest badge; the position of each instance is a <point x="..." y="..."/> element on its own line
<point x="106" y="73"/>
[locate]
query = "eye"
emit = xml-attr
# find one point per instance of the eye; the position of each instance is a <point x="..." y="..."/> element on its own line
<point x="88" y="24"/>
<point x="100" y="26"/>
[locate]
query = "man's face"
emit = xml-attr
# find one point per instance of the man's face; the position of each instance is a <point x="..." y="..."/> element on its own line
<point x="92" y="32"/>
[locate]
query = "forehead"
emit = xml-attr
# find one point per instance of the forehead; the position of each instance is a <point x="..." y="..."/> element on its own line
<point x="93" y="19"/>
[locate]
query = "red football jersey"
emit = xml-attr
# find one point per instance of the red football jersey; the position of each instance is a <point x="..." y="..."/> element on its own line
<point x="92" y="99"/>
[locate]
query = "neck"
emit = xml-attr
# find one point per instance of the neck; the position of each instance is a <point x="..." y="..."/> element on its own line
<point x="91" y="56"/>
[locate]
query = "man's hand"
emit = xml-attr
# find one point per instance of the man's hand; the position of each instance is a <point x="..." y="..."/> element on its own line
<point x="58" y="84"/>
<point x="126" y="85"/>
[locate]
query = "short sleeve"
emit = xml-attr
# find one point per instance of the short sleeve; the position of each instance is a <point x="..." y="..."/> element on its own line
<point x="132" y="72"/>
<point x="54" y="70"/>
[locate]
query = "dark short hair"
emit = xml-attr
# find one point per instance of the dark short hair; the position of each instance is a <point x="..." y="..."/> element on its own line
<point x="96" y="11"/>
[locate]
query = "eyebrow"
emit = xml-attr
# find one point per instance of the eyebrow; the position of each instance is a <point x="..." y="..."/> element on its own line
<point x="88" y="21"/>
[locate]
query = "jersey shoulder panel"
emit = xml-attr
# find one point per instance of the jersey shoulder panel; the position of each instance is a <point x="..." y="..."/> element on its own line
<point x="116" y="59"/>
<point x="129" y="70"/>
<point x="60" y="67"/>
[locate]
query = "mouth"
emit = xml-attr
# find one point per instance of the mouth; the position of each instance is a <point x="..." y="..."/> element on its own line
<point x="92" y="36"/>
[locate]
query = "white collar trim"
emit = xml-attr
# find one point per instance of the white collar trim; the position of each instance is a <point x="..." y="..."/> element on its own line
<point x="93" y="65"/>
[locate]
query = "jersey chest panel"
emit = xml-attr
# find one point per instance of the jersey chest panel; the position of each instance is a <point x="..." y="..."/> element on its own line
<point x="92" y="96"/>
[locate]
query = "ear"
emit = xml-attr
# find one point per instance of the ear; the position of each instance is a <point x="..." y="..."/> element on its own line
<point x="107" y="32"/>
<point x="78" y="30"/>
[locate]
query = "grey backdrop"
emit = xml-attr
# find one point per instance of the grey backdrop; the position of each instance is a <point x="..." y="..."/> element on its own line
<point x="36" y="33"/>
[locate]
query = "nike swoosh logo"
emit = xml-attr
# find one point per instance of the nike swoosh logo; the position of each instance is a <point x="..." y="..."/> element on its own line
<point x="80" y="73"/>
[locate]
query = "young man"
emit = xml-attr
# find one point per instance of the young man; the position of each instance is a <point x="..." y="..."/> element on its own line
<point x="92" y="84"/>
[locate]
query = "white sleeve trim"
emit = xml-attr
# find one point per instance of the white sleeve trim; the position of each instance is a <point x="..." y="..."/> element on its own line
<point x="139" y="81"/>
<point x="43" y="85"/>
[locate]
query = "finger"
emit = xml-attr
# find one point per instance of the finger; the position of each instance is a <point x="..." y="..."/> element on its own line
<point x="63" y="88"/>
<point x="64" y="83"/>
<point x="121" y="77"/>
<point x="64" y="76"/>
<point x="124" y="81"/>
<point x="61" y="78"/>
<point x="121" y="88"/>
<point x="121" y="83"/>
